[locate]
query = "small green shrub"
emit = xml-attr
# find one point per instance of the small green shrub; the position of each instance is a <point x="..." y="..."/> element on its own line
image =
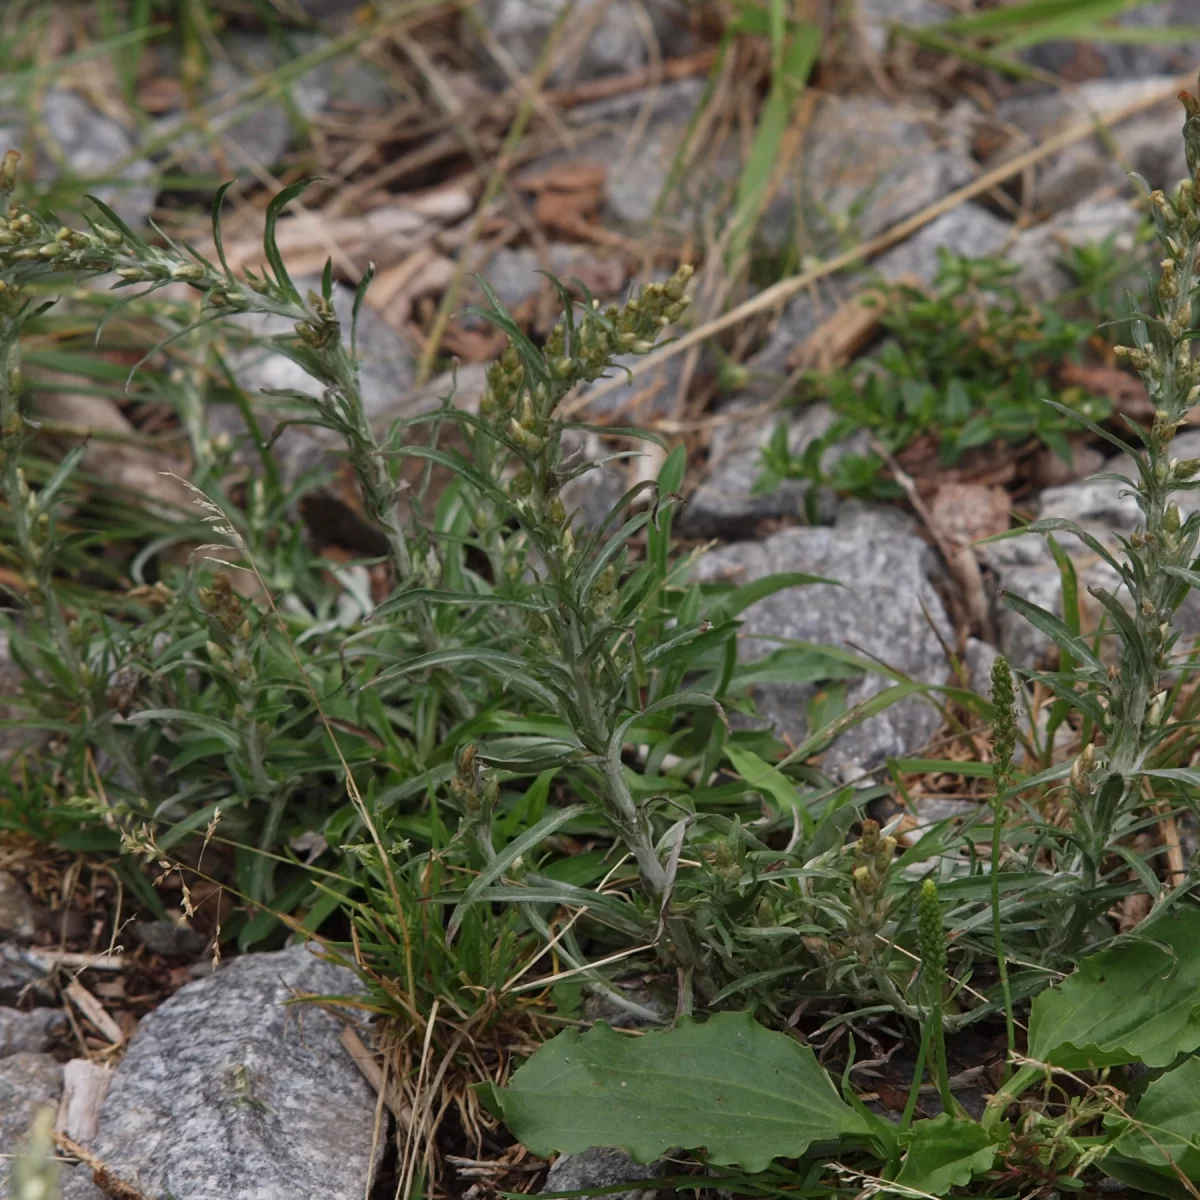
<point x="965" y="364"/>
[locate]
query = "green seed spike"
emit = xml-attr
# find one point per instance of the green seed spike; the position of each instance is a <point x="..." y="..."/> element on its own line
<point x="1004" y="727"/>
<point x="931" y="936"/>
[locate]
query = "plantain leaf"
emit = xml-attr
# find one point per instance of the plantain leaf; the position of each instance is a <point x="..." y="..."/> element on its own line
<point x="1165" y="1130"/>
<point x="1138" y="1001"/>
<point x="741" y="1092"/>
<point x="945" y="1152"/>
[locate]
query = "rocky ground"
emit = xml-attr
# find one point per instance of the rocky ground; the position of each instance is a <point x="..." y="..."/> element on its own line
<point x="225" y="1090"/>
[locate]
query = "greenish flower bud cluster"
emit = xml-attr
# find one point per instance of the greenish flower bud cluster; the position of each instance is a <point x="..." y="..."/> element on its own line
<point x="477" y="791"/>
<point x="870" y="870"/>
<point x="728" y="860"/>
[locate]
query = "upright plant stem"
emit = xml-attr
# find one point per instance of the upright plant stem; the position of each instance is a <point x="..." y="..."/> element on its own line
<point x="998" y="932"/>
<point x="1004" y="742"/>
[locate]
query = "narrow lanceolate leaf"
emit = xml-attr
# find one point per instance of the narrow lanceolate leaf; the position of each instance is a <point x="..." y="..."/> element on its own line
<point x="270" y="247"/>
<point x="1055" y="629"/>
<point x="1137" y="1002"/>
<point x="505" y="859"/>
<point x="730" y="1087"/>
<point x="770" y="781"/>
<point x="732" y="603"/>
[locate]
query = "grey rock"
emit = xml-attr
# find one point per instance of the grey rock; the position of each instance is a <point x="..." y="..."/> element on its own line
<point x="592" y="496"/>
<point x="869" y="163"/>
<point x="19" y="916"/>
<point x="1039" y="250"/>
<point x="640" y="169"/>
<point x="726" y="504"/>
<point x="1102" y="507"/>
<point x="228" y="1093"/>
<point x="261" y="129"/>
<point x="1025" y="567"/>
<point x="89" y="145"/>
<point x="28" y="1083"/>
<point x="29" y="1032"/>
<point x="601" y="1168"/>
<point x="600" y="40"/>
<point x="930" y="810"/>
<point x="170" y="939"/>
<point x="967" y="229"/>
<point x="876" y="17"/>
<point x="23" y="979"/>
<point x="979" y="659"/>
<point x="881" y="609"/>
<point x="1101" y="504"/>
<point x="802" y="316"/>
<point x="77" y="1185"/>
<point x="1149" y="142"/>
<point x="640" y="160"/>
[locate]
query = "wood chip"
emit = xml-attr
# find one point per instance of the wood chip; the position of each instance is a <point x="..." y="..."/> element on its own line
<point x="85" y="1084"/>
<point x="94" y="1011"/>
<point x="840" y="338"/>
<point x="577" y="175"/>
<point x="135" y="469"/>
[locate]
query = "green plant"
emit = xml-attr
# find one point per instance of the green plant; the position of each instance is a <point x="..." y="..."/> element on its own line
<point x="1069" y="1108"/>
<point x="967" y="363"/>
<point x="428" y="747"/>
<point x="762" y="1097"/>
<point x="1130" y="739"/>
<point x="1004" y="744"/>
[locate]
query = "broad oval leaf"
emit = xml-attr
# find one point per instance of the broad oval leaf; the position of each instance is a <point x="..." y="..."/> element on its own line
<point x="1137" y="1002"/>
<point x="1165" y="1130"/>
<point x="945" y="1152"/>
<point x="730" y="1086"/>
